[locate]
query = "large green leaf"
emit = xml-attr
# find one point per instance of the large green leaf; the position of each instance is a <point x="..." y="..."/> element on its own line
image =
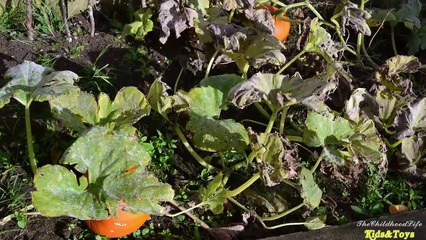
<point x="129" y="106"/>
<point x="206" y="101"/>
<point x="77" y="109"/>
<point x="106" y="157"/>
<point x="223" y="82"/>
<point x="59" y="192"/>
<point x="322" y="130"/>
<point x="32" y="82"/>
<point x="310" y="193"/>
<point x="217" y="135"/>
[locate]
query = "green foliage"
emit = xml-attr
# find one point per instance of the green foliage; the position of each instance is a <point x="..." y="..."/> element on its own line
<point x="78" y="109"/>
<point x="11" y="19"/>
<point x="141" y="26"/>
<point x="32" y="82"/>
<point x="106" y="157"/>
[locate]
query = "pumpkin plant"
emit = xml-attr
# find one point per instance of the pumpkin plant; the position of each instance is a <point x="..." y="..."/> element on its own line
<point x="108" y="190"/>
<point x="29" y="82"/>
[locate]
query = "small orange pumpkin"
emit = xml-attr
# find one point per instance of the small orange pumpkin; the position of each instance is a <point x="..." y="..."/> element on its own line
<point x="282" y="25"/>
<point x="120" y="226"/>
<point x="398" y="208"/>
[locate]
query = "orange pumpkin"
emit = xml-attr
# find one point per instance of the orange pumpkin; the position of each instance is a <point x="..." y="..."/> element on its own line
<point x="120" y="226"/>
<point x="282" y="24"/>
<point x="398" y="208"/>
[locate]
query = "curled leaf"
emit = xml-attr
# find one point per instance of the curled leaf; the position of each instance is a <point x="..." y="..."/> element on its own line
<point x="411" y="119"/>
<point x="173" y="18"/>
<point x="229" y="5"/>
<point x="412" y="161"/>
<point x="277" y="162"/>
<point x="389" y="73"/>
<point x="32" y="82"/>
<point x="355" y="18"/>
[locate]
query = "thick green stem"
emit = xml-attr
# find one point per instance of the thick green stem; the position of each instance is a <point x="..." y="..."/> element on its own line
<point x="275" y="217"/>
<point x="189" y="214"/>
<point x="238" y="204"/>
<point x="282" y="121"/>
<point x="364" y="51"/>
<point x="294" y="138"/>
<point x="209" y="66"/>
<point x="271" y="121"/>
<point x="423" y="66"/>
<point x="317" y="163"/>
<point x="186" y="210"/>
<point x="191" y="151"/>
<point x="281" y="225"/>
<point x="244" y="186"/>
<point x="360" y="35"/>
<point x="231" y="15"/>
<point x="392" y="28"/>
<point x="178" y="80"/>
<point x="290" y="62"/>
<point x="262" y="110"/>
<point x="31" y="155"/>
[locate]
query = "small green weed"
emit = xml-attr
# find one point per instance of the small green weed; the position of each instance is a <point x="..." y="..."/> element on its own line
<point x="162" y="148"/>
<point x="97" y="78"/>
<point x="11" y="19"/>
<point x="46" y="60"/>
<point x="75" y="51"/>
<point x="381" y="192"/>
<point x="46" y="21"/>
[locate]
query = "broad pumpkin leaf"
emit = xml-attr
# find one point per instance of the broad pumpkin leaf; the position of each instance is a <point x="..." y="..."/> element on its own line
<point x="77" y="109"/>
<point x="323" y="130"/>
<point x="210" y="134"/>
<point x="29" y="82"/>
<point x="411" y="119"/>
<point x="217" y="135"/>
<point x="129" y="106"/>
<point x="310" y="193"/>
<point x="106" y="156"/>
<point x="206" y="101"/>
<point x="61" y="193"/>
